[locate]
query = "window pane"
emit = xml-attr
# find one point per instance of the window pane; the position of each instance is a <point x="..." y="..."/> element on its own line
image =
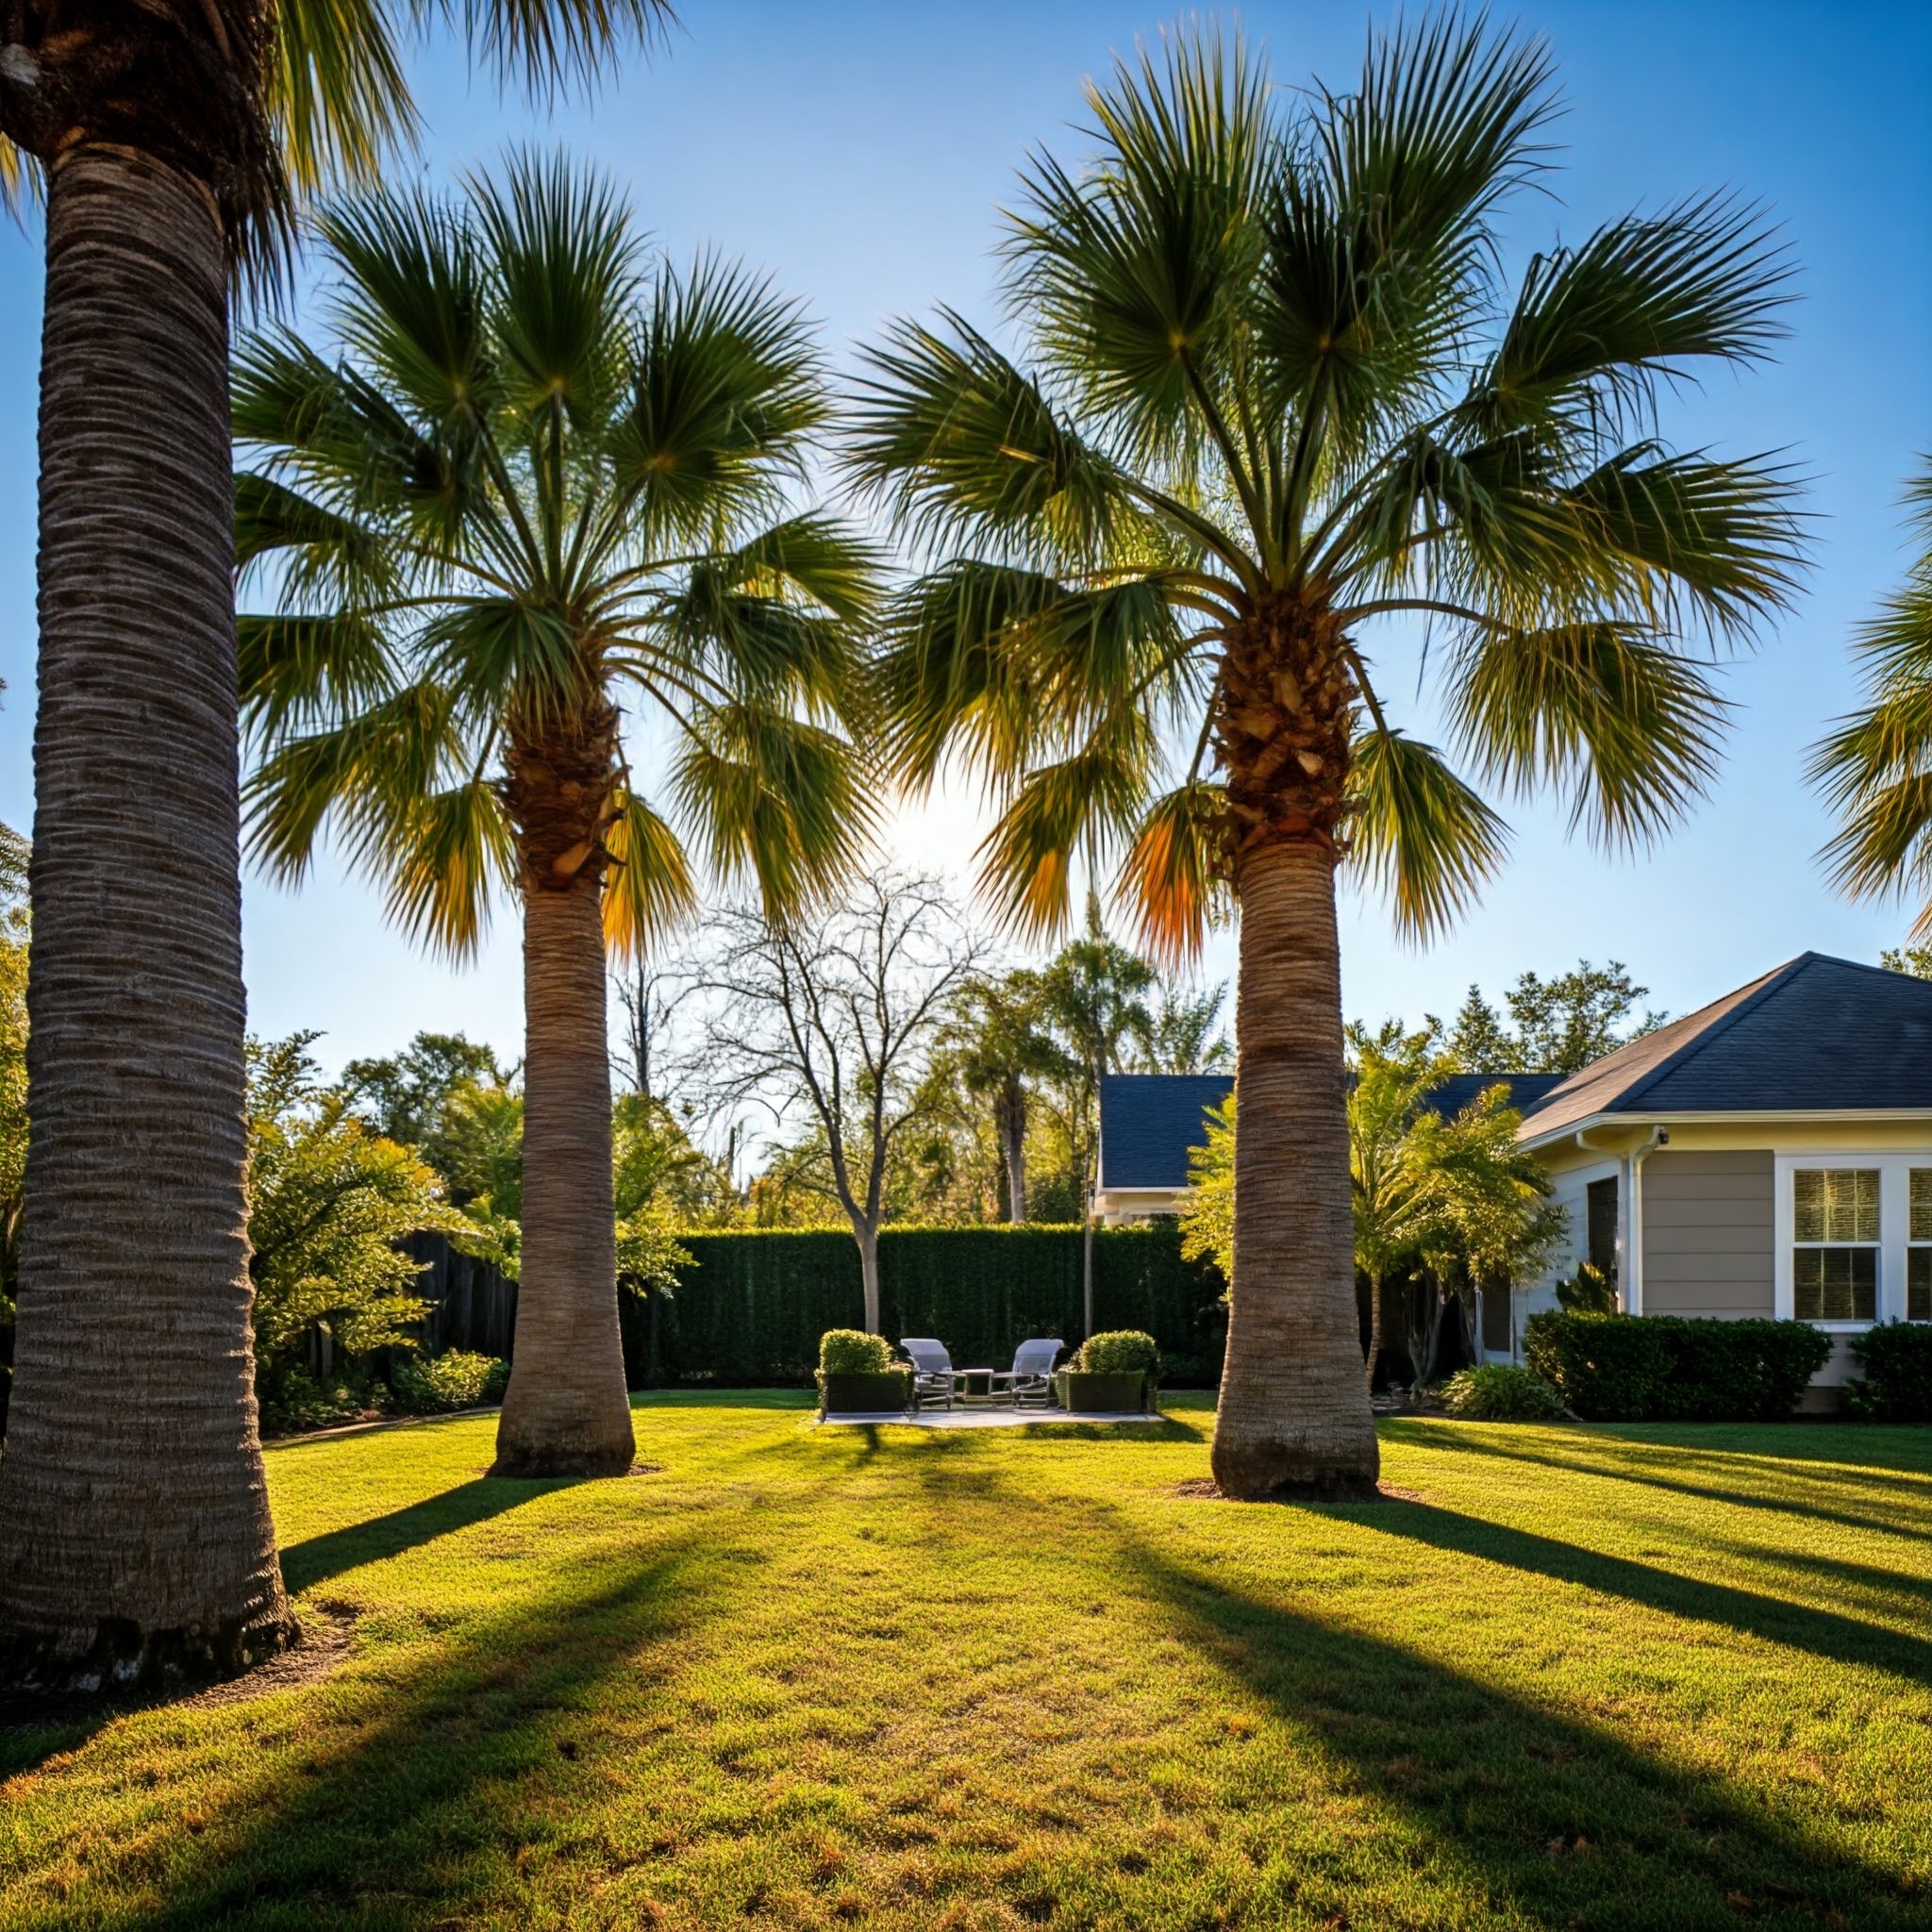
<point x="1918" y="1284"/>
<point x="1921" y="1204"/>
<point x="1835" y="1204"/>
<point x="1835" y="1284"/>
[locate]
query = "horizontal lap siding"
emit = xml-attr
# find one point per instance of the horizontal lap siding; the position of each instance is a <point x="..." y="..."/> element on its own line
<point x="1708" y="1234"/>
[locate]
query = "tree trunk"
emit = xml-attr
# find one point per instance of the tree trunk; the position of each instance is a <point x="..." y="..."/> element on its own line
<point x="566" y="1411"/>
<point x="1012" y="1131"/>
<point x="868" y="1240"/>
<point x="135" y="1535"/>
<point x="1293" y="1413"/>
<point x="1086" y="1265"/>
<point x="1374" y="1332"/>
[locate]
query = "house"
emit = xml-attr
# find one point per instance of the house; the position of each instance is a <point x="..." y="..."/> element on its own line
<point x="1769" y="1155"/>
<point x="1149" y="1124"/>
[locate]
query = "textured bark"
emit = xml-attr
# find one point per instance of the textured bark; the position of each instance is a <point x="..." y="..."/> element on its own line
<point x="135" y="1536"/>
<point x="1009" y="1119"/>
<point x="1375" y="1333"/>
<point x="567" y="1412"/>
<point x="1294" y="1415"/>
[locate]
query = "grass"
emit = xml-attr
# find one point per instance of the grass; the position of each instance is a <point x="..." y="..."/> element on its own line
<point x="1596" y="1677"/>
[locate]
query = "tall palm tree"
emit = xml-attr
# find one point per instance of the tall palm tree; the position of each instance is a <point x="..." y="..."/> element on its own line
<point x="1876" y="767"/>
<point x="168" y="142"/>
<point x="1273" y="389"/>
<point x="543" y="475"/>
<point x="993" y="1045"/>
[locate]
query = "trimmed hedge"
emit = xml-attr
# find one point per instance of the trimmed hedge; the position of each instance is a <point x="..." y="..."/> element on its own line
<point x="749" y="1311"/>
<point x="1671" y="1368"/>
<point x="1896" y="1357"/>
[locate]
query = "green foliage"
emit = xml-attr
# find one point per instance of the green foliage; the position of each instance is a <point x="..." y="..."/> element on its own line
<point x="853" y="1351"/>
<point x="1588" y="1292"/>
<point x="534" y="472"/>
<point x="1495" y="1393"/>
<point x="1915" y="960"/>
<point x="328" y="1200"/>
<point x="1873" y="768"/>
<point x="1206" y="1220"/>
<point x="1559" y="1026"/>
<point x="437" y="1384"/>
<point x="1667" y="1368"/>
<point x="1896" y="1357"/>
<point x="1119" y="1352"/>
<point x="751" y="1308"/>
<point x="1271" y="383"/>
<point x="293" y="1402"/>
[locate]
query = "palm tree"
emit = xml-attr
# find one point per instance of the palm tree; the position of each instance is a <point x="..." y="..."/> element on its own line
<point x="1876" y="767"/>
<point x="169" y="143"/>
<point x="545" y="474"/>
<point x="994" y="1045"/>
<point x="1273" y="389"/>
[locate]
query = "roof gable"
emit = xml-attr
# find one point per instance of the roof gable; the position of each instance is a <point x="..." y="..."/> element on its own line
<point x="1817" y="1035"/>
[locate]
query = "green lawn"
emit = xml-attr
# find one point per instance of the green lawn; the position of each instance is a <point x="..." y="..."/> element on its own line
<point x="1635" y="1678"/>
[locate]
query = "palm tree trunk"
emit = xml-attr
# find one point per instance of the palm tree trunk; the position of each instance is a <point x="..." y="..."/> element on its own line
<point x="1293" y="1413"/>
<point x="1374" y="1332"/>
<point x="135" y="1535"/>
<point x="1012" y="1126"/>
<point x="566" y="1411"/>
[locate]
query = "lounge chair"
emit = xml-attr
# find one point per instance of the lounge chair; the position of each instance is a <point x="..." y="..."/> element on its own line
<point x="934" y="1377"/>
<point x="1029" y="1381"/>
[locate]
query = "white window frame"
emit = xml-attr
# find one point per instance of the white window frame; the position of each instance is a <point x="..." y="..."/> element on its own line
<point x="1894" y="1228"/>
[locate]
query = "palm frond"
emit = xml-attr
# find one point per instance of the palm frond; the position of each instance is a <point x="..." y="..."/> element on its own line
<point x="443" y="854"/>
<point x="496" y="655"/>
<point x="1081" y="805"/>
<point x="1176" y="873"/>
<point x="338" y="96"/>
<point x="649" y="891"/>
<point x="548" y="46"/>
<point x="958" y="446"/>
<point x="776" y="800"/>
<point x="1418" y="832"/>
<point x="1136" y="274"/>
<point x="297" y="671"/>
<point x="1610" y="711"/>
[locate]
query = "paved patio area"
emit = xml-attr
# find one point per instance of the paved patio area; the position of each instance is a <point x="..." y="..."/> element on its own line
<point x="985" y="1418"/>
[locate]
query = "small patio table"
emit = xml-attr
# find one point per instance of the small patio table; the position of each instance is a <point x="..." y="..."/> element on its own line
<point x="982" y="1397"/>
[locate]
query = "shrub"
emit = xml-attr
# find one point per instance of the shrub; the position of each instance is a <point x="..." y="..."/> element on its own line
<point x="445" y="1382"/>
<point x="1498" y="1393"/>
<point x="853" y="1351"/>
<point x="1587" y="1293"/>
<point x="1668" y="1368"/>
<point x="1124" y="1352"/>
<point x="292" y="1401"/>
<point x="1896" y="1357"/>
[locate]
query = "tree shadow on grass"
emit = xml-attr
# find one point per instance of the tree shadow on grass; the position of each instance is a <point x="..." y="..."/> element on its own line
<point x="1541" y="1817"/>
<point x="1460" y="1443"/>
<point x="1776" y="1620"/>
<point x="319" y="1557"/>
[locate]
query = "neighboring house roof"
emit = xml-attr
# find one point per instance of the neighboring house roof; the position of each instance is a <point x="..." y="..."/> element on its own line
<point x="1148" y="1122"/>
<point x="1817" y="1036"/>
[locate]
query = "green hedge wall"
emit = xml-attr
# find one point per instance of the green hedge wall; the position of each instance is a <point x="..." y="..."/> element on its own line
<point x="749" y="1311"/>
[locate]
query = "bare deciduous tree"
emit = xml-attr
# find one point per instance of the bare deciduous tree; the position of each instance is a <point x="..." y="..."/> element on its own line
<point x="831" y="1022"/>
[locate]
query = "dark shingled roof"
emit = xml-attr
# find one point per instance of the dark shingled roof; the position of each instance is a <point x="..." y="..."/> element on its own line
<point x="1149" y="1120"/>
<point x="1818" y="1034"/>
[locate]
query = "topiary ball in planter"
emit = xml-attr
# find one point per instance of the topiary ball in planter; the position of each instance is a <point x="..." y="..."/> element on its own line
<point x="1111" y="1374"/>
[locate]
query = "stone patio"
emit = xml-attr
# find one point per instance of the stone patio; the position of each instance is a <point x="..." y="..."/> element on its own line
<point x="984" y="1418"/>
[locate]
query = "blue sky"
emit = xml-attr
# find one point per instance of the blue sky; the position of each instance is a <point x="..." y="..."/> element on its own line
<point x="859" y="155"/>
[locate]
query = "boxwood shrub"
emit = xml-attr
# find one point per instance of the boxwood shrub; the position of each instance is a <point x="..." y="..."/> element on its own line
<point x="1121" y="1352"/>
<point x="1896" y="1357"/>
<point x="853" y="1351"/>
<point x="1495" y="1392"/>
<point x="1670" y="1367"/>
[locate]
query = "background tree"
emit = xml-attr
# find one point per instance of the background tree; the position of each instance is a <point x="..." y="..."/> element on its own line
<point x="1206" y="1217"/>
<point x="1183" y="1033"/>
<point x="1559" y="1025"/>
<point x="1875" y="768"/>
<point x="995" y="1045"/>
<point x="328" y="1200"/>
<point x="166" y="141"/>
<point x="831" y="1021"/>
<point x="542" y="475"/>
<point x="1274" y="389"/>
<point x="1915" y="960"/>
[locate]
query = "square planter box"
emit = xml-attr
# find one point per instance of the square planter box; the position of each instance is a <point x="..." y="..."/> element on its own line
<point x="1083" y="1393"/>
<point x="864" y="1394"/>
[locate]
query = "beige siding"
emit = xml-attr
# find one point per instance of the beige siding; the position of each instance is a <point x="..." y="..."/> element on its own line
<point x="1708" y="1233"/>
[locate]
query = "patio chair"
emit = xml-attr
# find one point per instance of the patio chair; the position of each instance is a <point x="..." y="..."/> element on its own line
<point x="1029" y="1381"/>
<point x="934" y="1376"/>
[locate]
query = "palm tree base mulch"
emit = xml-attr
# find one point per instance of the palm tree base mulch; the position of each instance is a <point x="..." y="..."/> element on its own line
<point x="1206" y="1489"/>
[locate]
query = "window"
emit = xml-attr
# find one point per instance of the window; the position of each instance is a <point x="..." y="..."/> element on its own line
<point x="1835" y="1243"/>
<point x="1601" y="1209"/>
<point x="1918" y="1248"/>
